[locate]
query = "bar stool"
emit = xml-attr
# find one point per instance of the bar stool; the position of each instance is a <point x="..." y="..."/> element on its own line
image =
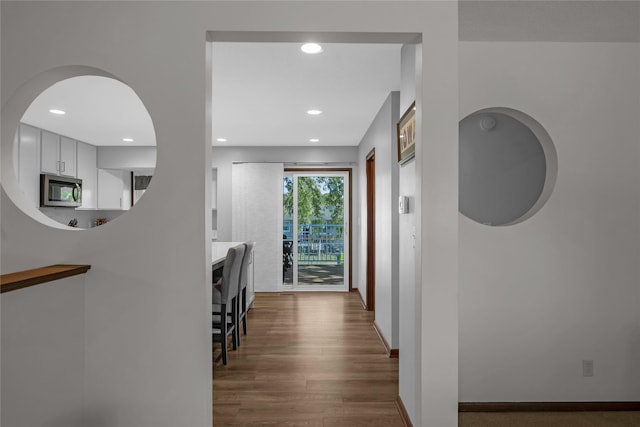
<point x="242" y="292"/>
<point x="225" y="298"/>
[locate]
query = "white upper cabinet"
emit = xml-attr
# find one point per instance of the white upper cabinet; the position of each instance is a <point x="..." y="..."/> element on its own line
<point x="39" y="151"/>
<point x="67" y="156"/>
<point x="88" y="173"/>
<point x="28" y="175"/>
<point x="50" y="153"/>
<point x="58" y="155"/>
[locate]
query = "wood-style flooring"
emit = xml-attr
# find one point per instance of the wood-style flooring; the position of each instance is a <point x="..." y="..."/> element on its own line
<point x="309" y="359"/>
<point x="314" y="360"/>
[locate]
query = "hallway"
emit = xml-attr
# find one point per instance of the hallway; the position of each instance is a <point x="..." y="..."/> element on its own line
<point x="309" y="359"/>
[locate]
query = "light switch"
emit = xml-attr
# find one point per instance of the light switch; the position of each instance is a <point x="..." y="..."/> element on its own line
<point x="403" y="205"/>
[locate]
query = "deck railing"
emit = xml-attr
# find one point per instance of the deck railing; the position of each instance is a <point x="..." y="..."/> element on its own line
<point x="319" y="243"/>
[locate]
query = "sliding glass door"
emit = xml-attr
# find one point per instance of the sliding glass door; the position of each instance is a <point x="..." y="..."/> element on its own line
<point x="315" y="227"/>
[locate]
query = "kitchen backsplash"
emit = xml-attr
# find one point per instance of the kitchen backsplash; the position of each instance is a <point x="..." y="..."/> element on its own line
<point x="85" y="218"/>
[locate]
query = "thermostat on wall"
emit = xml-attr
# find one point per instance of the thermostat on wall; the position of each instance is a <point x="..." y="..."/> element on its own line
<point x="403" y="205"/>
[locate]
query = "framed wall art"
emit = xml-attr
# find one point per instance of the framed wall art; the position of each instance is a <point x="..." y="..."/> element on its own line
<point x="407" y="135"/>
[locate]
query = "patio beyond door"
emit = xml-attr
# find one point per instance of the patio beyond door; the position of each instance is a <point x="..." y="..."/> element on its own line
<point x="315" y="227"/>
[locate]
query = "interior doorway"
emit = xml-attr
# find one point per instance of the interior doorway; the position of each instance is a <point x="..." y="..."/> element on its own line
<point x="371" y="231"/>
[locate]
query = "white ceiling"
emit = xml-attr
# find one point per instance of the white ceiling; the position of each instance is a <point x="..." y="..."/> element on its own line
<point x="261" y="92"/>
<point x="100" y="111"/>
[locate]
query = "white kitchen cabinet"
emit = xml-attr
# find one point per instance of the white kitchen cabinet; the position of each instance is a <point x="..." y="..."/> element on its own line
<point x="68" y="156"/>
<point x="113" y="189"/>
<point x="88" y="173"/>
<point x="126" y="189"/>
<point x="50" y="152"/>
<point x="16" y="152"/>
<point x="214" y="203"/>
<point x="27" y="170"/>
<point x="58" y="155"/>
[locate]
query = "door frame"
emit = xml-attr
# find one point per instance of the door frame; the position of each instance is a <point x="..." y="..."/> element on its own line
<point x="349" y="227"/>
<point x="370" y="302"/>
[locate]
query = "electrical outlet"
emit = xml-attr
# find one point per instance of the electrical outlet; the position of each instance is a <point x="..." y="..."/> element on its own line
<point x="587" y="368"/>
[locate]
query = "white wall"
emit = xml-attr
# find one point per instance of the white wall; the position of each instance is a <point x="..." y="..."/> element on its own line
<point x="636" y="342"/>
<point x="43" y="354"/>
<point x="436" y="210"/>
<point x="381" y="136"/>
<point x="538" y="297"/>
<point x="146" y="345"/>
<point x="408" y="339"/>
<point x="142" y="311"/>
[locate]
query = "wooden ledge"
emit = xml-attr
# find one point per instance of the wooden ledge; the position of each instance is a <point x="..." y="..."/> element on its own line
<point x="36" y="276"/>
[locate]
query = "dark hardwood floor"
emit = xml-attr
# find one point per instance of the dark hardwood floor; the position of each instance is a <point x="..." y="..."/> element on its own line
<point x="309" y="359"/>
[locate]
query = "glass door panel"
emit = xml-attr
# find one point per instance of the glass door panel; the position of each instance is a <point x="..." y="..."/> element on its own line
<point x="288" y="234"/>
<point x="315" y="247"/>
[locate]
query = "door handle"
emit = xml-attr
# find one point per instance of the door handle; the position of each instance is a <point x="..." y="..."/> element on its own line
<point x="75" y="193"/>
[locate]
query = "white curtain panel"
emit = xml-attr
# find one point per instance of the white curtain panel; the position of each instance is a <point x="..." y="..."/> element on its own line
<point x="256" y="206"/>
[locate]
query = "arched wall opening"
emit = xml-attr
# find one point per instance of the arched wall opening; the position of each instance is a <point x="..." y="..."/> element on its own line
<point x="508" y="166"/>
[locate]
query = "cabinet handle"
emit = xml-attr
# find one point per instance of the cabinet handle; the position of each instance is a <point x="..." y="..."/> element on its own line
<point x="64" y="166"/>
<point x="58" y="166"/>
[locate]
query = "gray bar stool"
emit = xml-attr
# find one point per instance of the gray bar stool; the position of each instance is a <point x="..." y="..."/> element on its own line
<point x="242" y="292"/>
<point x="225" y="300"/>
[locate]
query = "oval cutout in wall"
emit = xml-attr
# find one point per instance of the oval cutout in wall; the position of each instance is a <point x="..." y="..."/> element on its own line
<point x="88" y="128"/>
<point x="507" y="166"/>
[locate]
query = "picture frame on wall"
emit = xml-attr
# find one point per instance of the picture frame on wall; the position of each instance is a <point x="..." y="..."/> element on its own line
<point x="406" y="129"/>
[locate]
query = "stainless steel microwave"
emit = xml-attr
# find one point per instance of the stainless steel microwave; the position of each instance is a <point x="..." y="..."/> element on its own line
<point x="60" y="191"/>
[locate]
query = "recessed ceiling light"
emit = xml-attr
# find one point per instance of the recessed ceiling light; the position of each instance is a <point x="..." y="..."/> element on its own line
<point x="58" y="112"/>
<point x="314" y="112"/>
<point x="127" y="139"/>
<point x="311" y="48"/>
<point x="314" y="140"/>
<point x="221" y="139"/>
